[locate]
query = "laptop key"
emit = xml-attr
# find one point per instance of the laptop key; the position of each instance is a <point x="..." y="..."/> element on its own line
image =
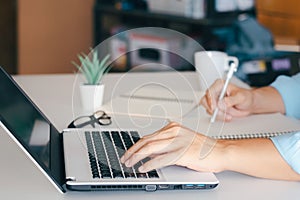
<point x="128" y="171"/>
<point x="153" y="174"/>
<point x="141" y="175"/>
<point x="135" y="136"/>
<point x="130" y="175"/>
<point x="117" y="173"/>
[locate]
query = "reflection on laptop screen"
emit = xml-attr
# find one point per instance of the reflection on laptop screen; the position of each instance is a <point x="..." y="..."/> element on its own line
<point x="27" y="124"/>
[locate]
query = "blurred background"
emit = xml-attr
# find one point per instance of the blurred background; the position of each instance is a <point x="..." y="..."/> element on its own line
<point x="43" y="36"/>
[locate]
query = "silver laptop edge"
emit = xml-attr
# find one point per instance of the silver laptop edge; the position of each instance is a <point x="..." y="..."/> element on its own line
<point x="60" y="189"/>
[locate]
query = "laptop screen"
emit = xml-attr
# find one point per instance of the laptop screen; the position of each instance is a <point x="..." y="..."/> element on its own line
<point x="31" y="128"/>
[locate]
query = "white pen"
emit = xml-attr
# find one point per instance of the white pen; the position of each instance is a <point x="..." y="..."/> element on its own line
<point x="232" y="69"/>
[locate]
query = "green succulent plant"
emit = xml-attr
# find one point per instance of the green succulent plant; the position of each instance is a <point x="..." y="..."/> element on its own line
<point x="92" y="68"/>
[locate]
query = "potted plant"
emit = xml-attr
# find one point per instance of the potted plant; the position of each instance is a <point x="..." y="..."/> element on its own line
<point x="93" y="70"/>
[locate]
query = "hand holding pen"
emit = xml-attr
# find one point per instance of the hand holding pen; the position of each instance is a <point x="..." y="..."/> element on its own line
<point x="232" y="69"/>
<point x="236" y="101"/>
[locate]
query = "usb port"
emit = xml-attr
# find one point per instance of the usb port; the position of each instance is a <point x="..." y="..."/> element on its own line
<point x="200" y="186"/>
<point x="189" y="186"/>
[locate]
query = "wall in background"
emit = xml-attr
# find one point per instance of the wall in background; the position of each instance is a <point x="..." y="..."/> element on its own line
<point x="281" y="17"/>
<point x="52" y="33"/>
<point x="8" y="35"/>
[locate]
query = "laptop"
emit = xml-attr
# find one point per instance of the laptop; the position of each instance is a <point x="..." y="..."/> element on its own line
<point x="84" y="159"/>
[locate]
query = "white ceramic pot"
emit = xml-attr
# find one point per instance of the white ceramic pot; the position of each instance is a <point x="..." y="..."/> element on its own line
<point x="91" y="96"/>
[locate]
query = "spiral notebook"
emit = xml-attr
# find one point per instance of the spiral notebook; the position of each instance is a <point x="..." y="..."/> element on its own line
<point x="181" y="106"/>
<point x="254" y="126"/>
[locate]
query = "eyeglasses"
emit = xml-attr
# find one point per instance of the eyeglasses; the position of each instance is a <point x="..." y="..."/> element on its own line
<point x="99" y="117"/>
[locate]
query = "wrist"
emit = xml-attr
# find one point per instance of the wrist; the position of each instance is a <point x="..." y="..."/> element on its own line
<point x="266" y="100"/>
<point x="218" y="158"/>
<point x="223" y="150"/>
<point x="255" y="101"/>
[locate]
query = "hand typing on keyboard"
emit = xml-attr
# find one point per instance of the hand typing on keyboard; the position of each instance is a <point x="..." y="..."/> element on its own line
<point x="174" y="145"/>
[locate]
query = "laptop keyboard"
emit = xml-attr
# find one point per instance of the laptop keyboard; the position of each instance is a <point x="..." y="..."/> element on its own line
<point x="105" y="148"/>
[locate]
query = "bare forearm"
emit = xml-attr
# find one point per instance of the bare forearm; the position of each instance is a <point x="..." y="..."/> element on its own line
<point x="267" y="100"/>
<point x="257" y="157"/>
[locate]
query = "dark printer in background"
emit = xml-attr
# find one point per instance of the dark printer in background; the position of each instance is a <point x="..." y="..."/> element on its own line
<point x="264" y="70"/>
<point x="253" y="44"/>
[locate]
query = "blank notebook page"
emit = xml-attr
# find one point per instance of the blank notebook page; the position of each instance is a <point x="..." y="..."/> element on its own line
<point x="154" y="102"/>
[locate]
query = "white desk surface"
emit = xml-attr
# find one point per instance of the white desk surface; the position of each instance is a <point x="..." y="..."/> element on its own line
<point x="20" y="179"/>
